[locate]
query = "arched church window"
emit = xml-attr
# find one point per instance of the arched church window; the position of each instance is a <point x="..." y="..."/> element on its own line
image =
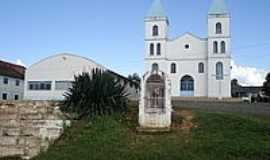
<point x="223" y="47"/>
<point x="218" y="28"/>
<point x="201" y="68"/>
<point x="215" y="47"/>
<point x="158" y="49"/>
<point x="219" y="71"/>
<point x="155" y="30"/>
<point x="155" y="67"/>
<point x="173" y="68"/>
<point x="151" y="49"/>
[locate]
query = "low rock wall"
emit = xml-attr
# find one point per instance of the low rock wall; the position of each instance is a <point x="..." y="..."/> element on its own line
<point x="27" y="128"/>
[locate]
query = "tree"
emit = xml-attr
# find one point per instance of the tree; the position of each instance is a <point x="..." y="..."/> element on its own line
<point x="266" y="85"/>
<point x="234" y="82"/>
<point x="235" y="87"/>
<point x="134" y="77"/>
<point x="98" y="93"/>
<point x="268" y="77"/>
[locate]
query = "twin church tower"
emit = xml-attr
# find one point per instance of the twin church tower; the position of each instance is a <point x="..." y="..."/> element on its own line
<point x="197" y="67"/>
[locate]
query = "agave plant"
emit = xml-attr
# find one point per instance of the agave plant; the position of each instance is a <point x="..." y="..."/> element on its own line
<point x="96" y="93"/>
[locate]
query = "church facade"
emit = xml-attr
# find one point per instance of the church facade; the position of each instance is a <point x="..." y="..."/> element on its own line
<point x="196" y="67"/>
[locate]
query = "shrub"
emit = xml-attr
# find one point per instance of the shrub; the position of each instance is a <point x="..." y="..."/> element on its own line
<point x="266" y="85"/>
<point x="95" y="94"/>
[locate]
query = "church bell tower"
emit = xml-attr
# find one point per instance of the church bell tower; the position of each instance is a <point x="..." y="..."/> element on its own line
<point x="156" y="35"/>
<point x="219" y="50"/>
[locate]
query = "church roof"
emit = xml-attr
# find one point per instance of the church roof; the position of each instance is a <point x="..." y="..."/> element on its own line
<point x="188" y="34"/>
<point x="156" y="10"/>
<point x="218" y="7"/>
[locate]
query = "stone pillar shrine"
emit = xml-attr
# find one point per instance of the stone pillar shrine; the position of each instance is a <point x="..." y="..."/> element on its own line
<point x="155" y="103"/>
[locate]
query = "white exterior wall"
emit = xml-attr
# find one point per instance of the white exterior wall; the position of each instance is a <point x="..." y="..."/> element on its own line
<point x="190" y="68"/>
<point x="161" y="23"/>
<point x="176" y="48"/>
<point x="11" y="89"/>
<point x="220" y="88"/>
<point x="62" y="67"/>
<point x="224" y="20"/>
<point x="187" y="60"/>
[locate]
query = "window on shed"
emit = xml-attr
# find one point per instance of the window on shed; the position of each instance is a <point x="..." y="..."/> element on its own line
<point x="48" y="86"/>
<point x="39" y="85"/>
<point x="31" y="86"/>
<point x="42" y="86"/>
<point x="155" y="30"/>
<point x="63" y="85"/>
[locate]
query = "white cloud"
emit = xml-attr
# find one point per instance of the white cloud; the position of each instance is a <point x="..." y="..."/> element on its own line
<point x="19" y="62"/>
<point x="248" y="76"/>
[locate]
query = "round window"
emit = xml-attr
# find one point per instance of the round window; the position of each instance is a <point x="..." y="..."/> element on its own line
<point x="187" y="46"/>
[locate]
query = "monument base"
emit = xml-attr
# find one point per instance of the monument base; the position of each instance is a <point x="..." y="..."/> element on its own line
<point x="153" y="130"/>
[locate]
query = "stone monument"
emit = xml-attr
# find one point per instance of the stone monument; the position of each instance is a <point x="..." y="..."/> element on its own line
<point x="155" y="103"/>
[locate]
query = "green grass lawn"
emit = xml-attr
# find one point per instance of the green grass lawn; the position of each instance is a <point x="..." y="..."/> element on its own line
<point x="218" y="136"/>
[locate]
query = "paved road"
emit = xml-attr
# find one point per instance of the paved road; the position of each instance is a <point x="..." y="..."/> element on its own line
<point x="230" y="107"/>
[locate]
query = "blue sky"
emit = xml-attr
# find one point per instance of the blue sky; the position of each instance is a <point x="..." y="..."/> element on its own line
<point x="111" y="32"/>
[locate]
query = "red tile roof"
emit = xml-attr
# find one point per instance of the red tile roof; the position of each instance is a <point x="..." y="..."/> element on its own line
<point x="11" y="70"/>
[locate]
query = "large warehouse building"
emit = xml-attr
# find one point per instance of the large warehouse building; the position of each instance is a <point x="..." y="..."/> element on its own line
<point x="51" y="77"/>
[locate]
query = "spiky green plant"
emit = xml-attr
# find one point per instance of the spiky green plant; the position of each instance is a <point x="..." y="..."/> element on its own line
<point x="98" y="93"/>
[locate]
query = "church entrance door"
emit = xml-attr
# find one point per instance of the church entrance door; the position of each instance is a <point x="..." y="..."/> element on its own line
<point x="187" y="86"/>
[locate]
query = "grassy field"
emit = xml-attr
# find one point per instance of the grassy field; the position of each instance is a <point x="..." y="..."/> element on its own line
<point x="215" y="136"/>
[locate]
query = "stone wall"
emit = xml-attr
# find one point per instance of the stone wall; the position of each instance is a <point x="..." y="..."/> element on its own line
<point x="27" y="128"/>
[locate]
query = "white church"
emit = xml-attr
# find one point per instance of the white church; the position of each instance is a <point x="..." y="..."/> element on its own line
<point x="196" y="67"/>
